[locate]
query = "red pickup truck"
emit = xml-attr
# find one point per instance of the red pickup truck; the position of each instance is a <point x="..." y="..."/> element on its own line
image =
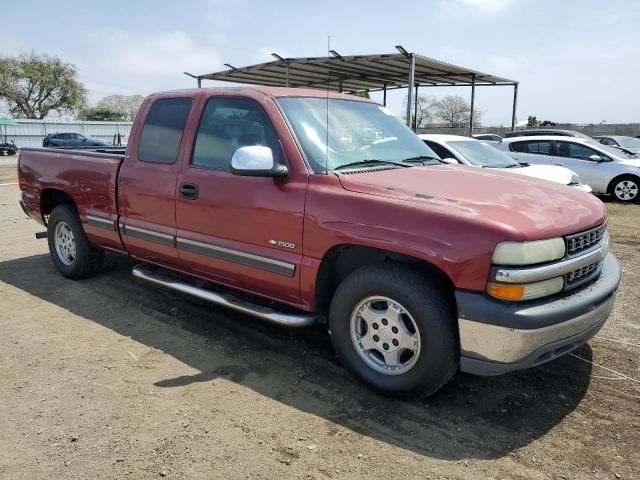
<point x="298" y="206"/>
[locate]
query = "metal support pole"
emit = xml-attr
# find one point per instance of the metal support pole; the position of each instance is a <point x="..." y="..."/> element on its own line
<point x="515" y="106"/>
<point x="286" y="73"/>
<point x="340" y="85"/>
<point x="412" y="74"/>
<point x="199" y="83"/>
<point x="473" y="100"/>
<point x="415" y="111"/>
<point x="384" y="95"/>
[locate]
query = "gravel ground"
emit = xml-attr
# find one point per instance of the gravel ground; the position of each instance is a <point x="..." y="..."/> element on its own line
<point x="114" y="378"/>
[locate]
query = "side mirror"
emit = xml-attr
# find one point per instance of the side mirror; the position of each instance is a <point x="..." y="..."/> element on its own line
<point x="451" y="161"/>
<point x="597" y="158"/>
<point x="256" y="161"/>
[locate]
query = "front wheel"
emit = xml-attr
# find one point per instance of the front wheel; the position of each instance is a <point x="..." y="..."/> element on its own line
<point x="394" y="329"/>
<point x="72" y="253"/>
<point x="625" y="188"/>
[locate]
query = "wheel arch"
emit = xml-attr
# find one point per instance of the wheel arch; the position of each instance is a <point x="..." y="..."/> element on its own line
<point x="340" y="260"/>
<point x="50" y="198"/>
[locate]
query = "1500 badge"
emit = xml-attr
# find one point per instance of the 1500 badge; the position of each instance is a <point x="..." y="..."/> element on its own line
<point x="280" y="243"/>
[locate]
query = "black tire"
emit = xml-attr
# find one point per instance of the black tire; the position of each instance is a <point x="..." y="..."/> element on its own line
<point x="632" y="192"/>
<point x="88" y="259"/>
<point x="432" y="309"/>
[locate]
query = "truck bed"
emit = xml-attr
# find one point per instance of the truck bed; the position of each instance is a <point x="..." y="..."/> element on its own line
<point x="89" y="178"/>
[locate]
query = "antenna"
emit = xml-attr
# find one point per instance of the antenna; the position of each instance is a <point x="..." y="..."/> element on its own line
<point x="326" y="153"/>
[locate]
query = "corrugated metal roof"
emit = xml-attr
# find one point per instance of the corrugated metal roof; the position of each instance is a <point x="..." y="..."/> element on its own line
<point x="356" y="73"/>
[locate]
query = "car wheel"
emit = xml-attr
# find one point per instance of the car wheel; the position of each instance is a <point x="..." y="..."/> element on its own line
<point x="625" y="188"/>
<point x="394" y="329"/>
<point x="72" y="253"/>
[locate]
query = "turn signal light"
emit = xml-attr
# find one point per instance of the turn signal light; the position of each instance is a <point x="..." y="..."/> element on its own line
<point x="505" y="292"/>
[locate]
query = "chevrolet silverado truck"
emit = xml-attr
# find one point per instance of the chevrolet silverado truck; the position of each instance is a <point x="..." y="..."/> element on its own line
<point x="299" y="206"/>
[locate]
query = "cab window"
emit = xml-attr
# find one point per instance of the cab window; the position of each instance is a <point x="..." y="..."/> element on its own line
<point x="162" y="130"/>
<point x="228" y="124"/>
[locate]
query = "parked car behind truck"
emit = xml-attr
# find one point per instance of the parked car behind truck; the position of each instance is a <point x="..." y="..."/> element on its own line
<point x="420" y="268"/>
<point x="71" y="140"/>
<point x="469" y="151"/>
<point x="606" y="170"/>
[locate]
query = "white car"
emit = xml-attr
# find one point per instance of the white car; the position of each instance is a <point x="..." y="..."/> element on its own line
<point x="469" y="151"/>
<point x="605" y="169"/>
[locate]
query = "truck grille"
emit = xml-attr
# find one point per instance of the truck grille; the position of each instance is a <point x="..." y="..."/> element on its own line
<point x="582" y="275"/>
<point x="582" y="241"/>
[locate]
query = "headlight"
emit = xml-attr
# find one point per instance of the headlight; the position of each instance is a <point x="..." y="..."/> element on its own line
<point x="525" y="291"/>
<point x="529" y="253"/>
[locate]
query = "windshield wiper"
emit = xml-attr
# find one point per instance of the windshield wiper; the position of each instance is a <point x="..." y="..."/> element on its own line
<point x="422" y="158"/>
<point x="371" y="162"/>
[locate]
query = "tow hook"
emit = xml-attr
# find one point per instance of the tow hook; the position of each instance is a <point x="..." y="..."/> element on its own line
<point x="40" y="235"/>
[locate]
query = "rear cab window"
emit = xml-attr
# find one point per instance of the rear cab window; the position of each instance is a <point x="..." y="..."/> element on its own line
<point x="162" y="130"/>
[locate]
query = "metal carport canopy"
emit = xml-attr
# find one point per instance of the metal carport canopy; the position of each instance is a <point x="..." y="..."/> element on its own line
<point x="357" y="73"/>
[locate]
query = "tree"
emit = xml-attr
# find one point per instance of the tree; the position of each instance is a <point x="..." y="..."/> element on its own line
<point x="363" y="94"/>
<point x="127" y="104"/>
<point x="33" y="85"/>
<point x="426" y="105"/>
<point x="104" y="114"/>
<point x="532" y="121"/>
<point x="454" y="112"/>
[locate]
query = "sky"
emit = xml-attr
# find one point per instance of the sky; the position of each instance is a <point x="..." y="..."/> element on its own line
<point x="576" y="60"/>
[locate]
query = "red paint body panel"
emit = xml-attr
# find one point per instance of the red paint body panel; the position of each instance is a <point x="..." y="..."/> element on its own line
<point x="450" y="216"/>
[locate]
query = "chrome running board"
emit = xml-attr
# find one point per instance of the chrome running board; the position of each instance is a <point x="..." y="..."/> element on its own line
<point x="157" y="276"/>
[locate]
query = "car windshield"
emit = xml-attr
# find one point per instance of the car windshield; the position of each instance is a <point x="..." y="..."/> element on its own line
<point x="482" y="154"/>
<point x="611" y="151"/>
<point x="628" y="142"/>
<point x="352" y="133"/>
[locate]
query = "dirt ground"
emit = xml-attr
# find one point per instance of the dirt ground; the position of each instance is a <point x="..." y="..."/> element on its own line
<point x="114" y="378"/>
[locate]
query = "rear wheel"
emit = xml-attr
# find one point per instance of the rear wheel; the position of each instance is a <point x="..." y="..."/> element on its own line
<point x="625" y="188"/>
<point x="394" y="329"/>
<point x="71" y="252"/>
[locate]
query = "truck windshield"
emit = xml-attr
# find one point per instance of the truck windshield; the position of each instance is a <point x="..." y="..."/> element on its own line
<point x="352" y="132"/>
<point x="483" y="154"/>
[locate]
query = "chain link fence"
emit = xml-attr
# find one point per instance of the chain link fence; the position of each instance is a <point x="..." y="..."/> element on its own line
<point x="30" y="133"/>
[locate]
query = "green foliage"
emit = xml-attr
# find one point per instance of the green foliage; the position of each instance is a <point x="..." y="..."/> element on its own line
<point x="363" y="94"/>
<point x="127" y="104"/>
<point x="532" y="121"/>
<point x="33" y="85"/>
<point x="102" y="113"/>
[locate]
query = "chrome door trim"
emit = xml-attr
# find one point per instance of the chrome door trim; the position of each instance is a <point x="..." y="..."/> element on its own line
<point x="237" y="256"/>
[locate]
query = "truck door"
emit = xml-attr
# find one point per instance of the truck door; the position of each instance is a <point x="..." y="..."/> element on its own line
<point x="147" y="182"/>
<point x="242" y="231"/>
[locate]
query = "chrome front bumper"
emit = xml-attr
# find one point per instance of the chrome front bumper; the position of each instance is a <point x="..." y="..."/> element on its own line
<point x="498" y="337"/>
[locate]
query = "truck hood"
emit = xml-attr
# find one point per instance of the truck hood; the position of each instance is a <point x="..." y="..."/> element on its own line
<point x="528" y="208"/>
<point x="552" y="173"/>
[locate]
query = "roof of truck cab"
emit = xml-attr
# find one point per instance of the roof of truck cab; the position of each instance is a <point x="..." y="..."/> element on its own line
<point x="270" y="91"/>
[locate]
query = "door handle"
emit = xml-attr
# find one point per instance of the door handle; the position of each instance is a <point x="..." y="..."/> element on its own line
<point x="189" y="191"/>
